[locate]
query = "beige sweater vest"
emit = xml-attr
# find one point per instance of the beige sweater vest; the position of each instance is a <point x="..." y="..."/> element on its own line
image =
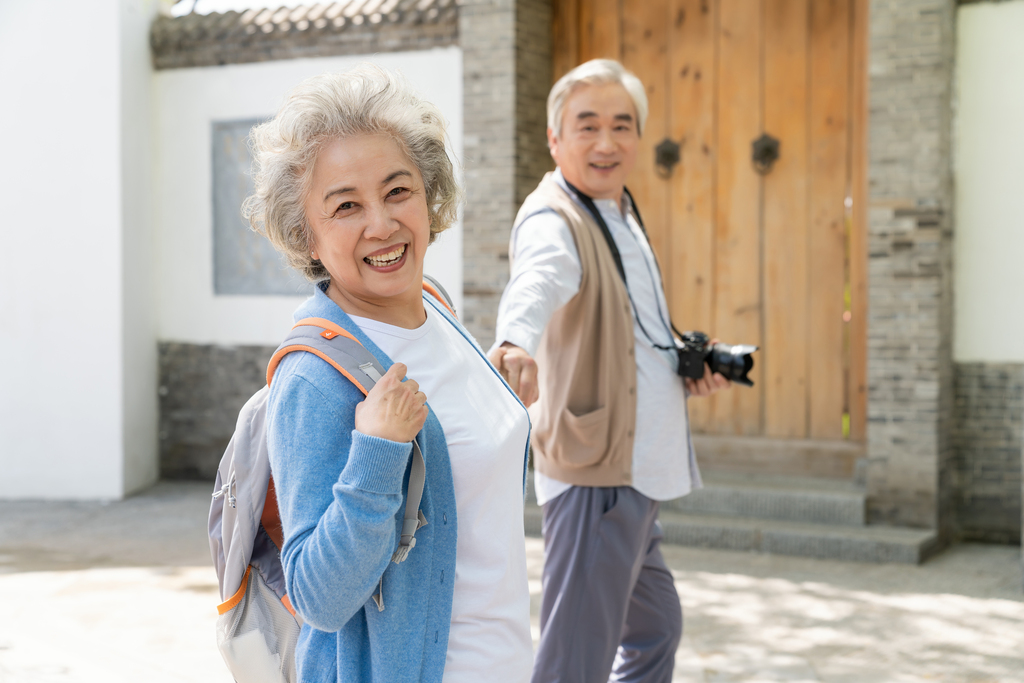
<point x="584" y="421"/>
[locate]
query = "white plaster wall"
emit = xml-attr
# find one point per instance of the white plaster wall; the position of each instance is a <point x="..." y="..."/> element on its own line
<point x="989" y="172"/>
<point x="61" y="420"/>
<point x="139" y="348"/>
<point x="187" y="101"/>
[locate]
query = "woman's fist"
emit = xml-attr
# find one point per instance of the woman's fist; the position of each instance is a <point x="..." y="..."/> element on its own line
<point x="393" y="410"/>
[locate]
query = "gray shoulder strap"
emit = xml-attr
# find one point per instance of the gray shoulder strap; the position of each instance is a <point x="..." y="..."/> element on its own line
<point x="440" y="290"/>
<point x="353" y="360"/>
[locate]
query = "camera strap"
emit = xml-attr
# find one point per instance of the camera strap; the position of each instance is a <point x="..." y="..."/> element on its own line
<point x="599" y="219"/>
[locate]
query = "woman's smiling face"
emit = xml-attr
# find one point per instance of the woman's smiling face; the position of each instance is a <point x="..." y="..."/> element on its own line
<point x="367" y="210"/>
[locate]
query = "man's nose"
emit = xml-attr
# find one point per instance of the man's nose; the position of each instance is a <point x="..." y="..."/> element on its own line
<point x="379" y="224"/>
<point x="605" y="142"/>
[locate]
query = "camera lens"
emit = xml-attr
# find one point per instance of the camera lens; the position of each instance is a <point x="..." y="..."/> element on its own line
<point x="732" y="362"/>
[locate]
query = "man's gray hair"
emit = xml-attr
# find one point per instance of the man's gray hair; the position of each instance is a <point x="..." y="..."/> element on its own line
<point x="366" y="100"/>
<point x="596" y="72"/>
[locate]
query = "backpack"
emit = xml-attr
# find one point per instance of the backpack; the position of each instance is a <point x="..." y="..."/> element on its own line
<point x="257" y="629"/>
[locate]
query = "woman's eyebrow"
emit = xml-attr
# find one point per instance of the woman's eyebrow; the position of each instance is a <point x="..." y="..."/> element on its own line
<point x="396" y="174"/>
<point x="343" y="190"/>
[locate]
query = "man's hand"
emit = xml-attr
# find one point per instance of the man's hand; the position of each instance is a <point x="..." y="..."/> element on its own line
<point x="518" y="369"/>
<point x="708" y="384"/>
<point x="393" y="410"/>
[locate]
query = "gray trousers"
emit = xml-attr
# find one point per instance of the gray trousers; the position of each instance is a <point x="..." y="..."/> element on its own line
<point x="609" y="609"/>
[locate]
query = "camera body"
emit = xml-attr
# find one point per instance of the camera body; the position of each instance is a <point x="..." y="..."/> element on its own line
<point x="731" y="361"/>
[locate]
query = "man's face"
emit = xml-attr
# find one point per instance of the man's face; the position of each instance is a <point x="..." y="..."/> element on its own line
<point x="597" y="146"/>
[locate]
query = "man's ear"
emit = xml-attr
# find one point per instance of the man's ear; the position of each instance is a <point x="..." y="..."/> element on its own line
<point x="552" y="144"/>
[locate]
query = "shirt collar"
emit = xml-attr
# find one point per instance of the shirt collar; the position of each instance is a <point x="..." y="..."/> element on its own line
<point x="603" y="205"/>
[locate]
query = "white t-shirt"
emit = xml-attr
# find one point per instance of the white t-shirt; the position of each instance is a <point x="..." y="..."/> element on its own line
<point x="486" y="429"/>
<point x="546" y="274"/>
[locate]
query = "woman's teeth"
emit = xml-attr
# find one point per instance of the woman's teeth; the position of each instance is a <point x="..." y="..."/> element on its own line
<point x="386" y="259"/>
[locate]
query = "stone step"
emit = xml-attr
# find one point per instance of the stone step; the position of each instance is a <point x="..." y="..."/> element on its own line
<point x="790" y="499"/>
<point x="833" y="542"/>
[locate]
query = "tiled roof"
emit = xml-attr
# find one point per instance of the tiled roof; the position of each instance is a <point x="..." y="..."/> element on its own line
<point x="308" y="30"/>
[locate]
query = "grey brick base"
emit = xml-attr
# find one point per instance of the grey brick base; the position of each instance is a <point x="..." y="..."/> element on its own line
<point x="988" y="434"/>
<point x="202" y="388"/>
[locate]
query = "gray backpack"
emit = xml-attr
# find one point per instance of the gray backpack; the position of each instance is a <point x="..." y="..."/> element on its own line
<point x="257" y="629"/>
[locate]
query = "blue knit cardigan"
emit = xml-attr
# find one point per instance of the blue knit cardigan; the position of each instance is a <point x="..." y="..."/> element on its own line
<point x="341" y="499"/>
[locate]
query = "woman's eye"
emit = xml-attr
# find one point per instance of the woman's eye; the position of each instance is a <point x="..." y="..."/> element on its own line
<point x="396" y="191"/>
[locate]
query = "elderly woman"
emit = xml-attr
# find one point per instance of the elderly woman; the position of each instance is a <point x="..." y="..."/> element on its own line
<point x="353" y="183"/>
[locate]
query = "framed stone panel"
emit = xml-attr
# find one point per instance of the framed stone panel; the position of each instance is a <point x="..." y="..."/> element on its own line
<point x="244" y="263"/>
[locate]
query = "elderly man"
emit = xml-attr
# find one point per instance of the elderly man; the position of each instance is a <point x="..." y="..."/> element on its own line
<point x="611" y="436"/>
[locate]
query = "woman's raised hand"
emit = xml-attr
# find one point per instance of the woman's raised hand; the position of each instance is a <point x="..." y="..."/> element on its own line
<point x="393" y="410"/>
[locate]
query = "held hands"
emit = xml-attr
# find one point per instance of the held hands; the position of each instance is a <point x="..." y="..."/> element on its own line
<point x="393" y="410"/>
<point x="518" y="369"/>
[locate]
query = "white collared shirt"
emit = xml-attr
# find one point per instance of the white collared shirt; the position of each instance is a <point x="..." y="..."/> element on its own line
<point x="546" y="274"/>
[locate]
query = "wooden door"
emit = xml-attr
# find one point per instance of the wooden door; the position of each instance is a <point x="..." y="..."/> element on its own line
<point x="775" y="259"/>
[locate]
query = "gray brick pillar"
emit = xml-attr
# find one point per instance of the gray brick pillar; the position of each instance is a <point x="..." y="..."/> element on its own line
<point x="910" y="371"/>
<point x="506" y="57"/>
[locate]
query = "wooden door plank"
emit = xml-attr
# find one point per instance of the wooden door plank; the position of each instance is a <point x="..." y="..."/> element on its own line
<point x="600" y="29"/>
<point x="565" y="35"/>
<point x="691" y="80"/>
<point x="785" y="219"/>
<point x="737" y="305"/>
<point x="829" y="168"/>
<point x="858" y="256"/>
<point x="645" y="52"/>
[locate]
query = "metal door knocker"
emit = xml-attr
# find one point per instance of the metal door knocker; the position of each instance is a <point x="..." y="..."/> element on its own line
<point x="666" y="155"/>
<point x="765" y="153"/>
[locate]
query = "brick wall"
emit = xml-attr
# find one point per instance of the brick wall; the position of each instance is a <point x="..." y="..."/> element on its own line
<point x="202" y="388"/>
<point x="533" y="82"/>
<point x="910" y="378"/>
<point x="506" y="56"/>
<point x="988" y="435"/>
<point x="487" y="38"/>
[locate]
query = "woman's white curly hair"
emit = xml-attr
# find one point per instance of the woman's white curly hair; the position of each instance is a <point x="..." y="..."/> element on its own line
<point x="366" y="100"/>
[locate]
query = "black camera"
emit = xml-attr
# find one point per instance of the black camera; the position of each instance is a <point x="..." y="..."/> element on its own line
<point x="731" y="361"/>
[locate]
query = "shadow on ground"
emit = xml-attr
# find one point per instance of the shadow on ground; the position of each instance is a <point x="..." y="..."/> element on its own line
<point x="124" y="591"/>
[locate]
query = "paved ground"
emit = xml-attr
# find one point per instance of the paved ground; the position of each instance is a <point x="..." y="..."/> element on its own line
<point x="124" y="592"/>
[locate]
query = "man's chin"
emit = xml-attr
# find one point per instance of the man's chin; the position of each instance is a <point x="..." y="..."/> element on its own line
<point x="606" y="188"/>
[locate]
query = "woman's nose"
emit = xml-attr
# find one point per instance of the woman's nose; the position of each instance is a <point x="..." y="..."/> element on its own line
<point x="379" y="224"/>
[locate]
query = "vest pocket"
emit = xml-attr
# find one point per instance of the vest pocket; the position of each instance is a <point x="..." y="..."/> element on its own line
<point x="583" y="439"/>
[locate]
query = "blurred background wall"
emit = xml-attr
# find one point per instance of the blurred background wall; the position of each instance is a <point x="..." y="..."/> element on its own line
<point x="137" y="311"/>
<point x="988" y="345"/>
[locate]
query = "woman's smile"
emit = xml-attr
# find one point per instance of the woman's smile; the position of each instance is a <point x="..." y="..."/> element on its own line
<point x="391" y="259"/>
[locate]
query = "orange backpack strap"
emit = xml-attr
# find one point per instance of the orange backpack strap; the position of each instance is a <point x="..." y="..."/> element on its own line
<point x="346" y="354"/>
<point x="336" y="346"/>
<point x="432" y="287"/>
